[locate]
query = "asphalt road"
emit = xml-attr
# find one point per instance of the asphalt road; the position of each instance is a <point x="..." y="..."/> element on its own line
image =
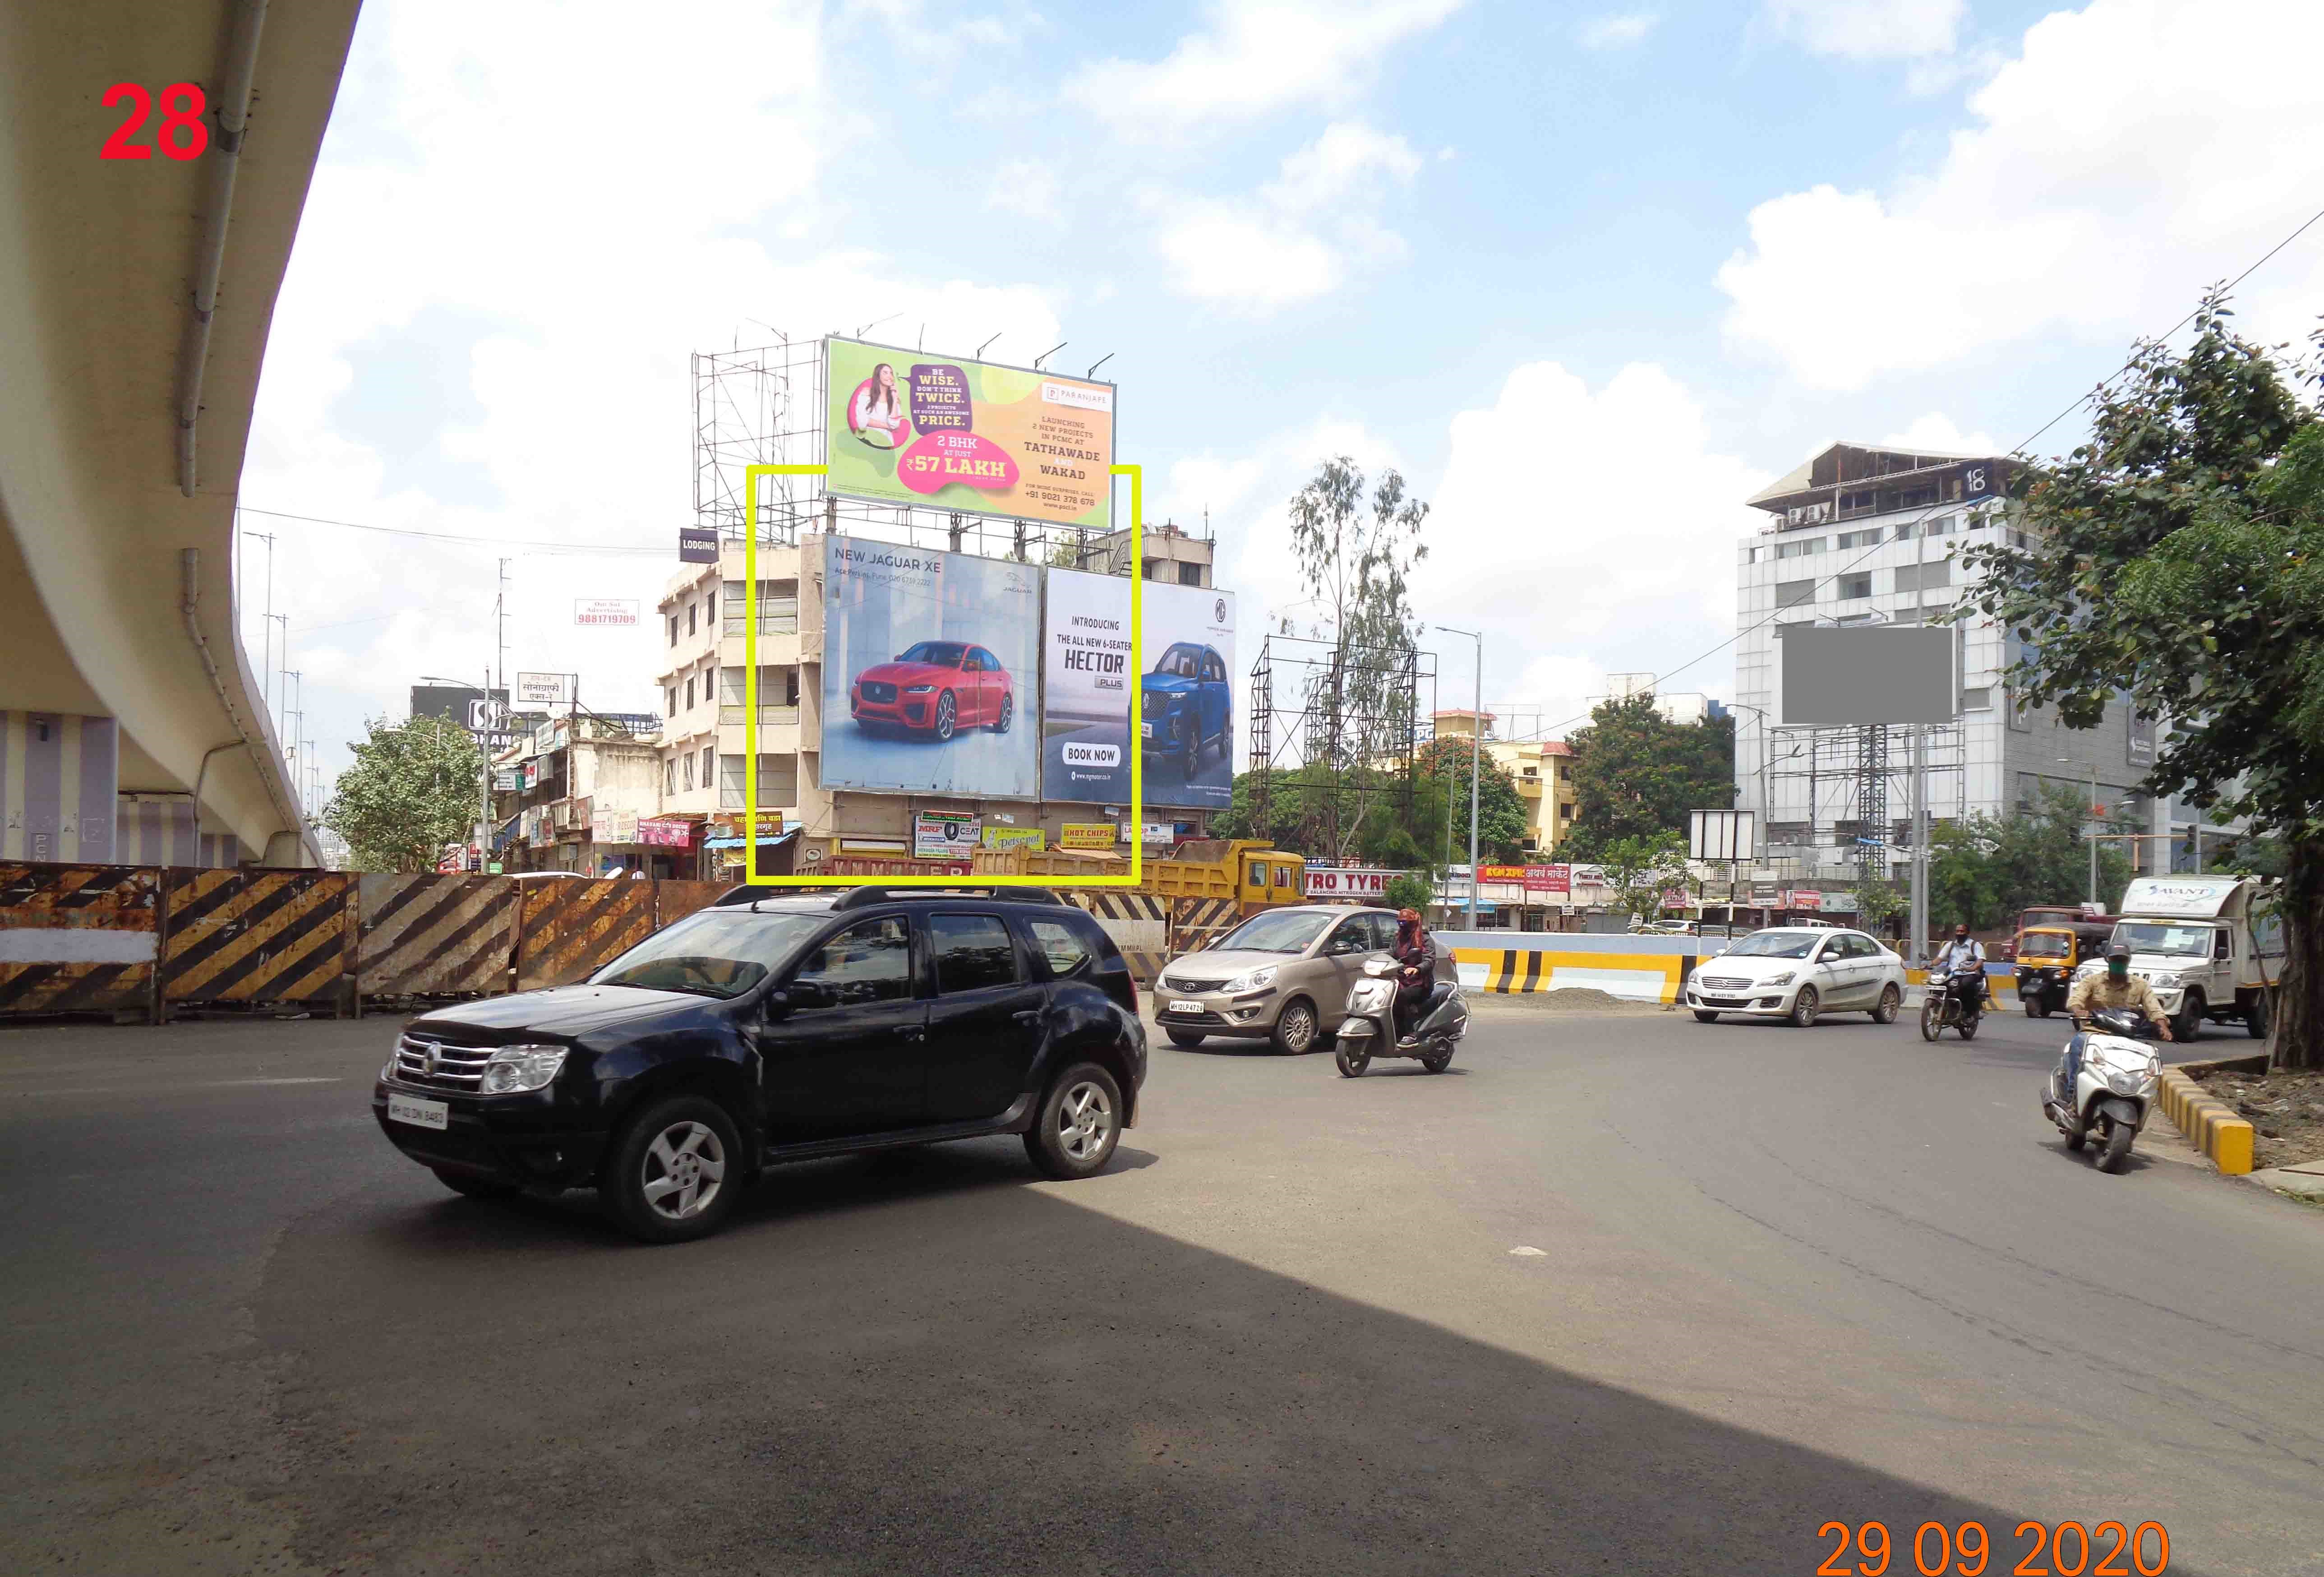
<point x="1784" y="1278"/>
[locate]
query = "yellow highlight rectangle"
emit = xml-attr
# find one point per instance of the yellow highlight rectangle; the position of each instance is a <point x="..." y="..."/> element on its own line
<point x="750" y="876"/>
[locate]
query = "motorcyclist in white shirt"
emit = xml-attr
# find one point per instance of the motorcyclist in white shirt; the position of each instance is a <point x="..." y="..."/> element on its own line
<point x="1958" y="953"/>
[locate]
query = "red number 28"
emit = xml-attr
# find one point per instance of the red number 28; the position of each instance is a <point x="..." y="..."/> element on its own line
<point x="180" y="133"/>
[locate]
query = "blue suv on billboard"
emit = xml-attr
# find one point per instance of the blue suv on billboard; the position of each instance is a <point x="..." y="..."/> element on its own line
<point x="1188" y="707"/>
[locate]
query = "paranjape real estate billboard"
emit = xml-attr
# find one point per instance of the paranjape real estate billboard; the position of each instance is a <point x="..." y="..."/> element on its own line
<point x="1185" y="710"/>
<point x="902" y="427"/>
<point x="931" y="682"/>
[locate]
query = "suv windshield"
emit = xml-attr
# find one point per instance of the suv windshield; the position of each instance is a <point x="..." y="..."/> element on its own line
<point x="1281" y="931"/>
<point x="718" y="953"/>
<point x="1775" y="944"/>
<point x="2194" y="941"/>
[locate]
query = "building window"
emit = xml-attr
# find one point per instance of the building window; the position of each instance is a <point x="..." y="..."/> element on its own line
<point x="1857" y="585"/>
<point x="673" y="628"/>
<point x="1799" y="550"/>
<point x="689" y="692"/>
<point x="1793" y="594"/>
<point x="709" y="765"/>
<point x="1976" y="698"/>
<point x="669" y="774"/>
<point x="710" y="609"/>
<point x="689" y="769"/>
<point x="669" y="699"/>
<point x="1912" y="578"/>
<point x="693" y="617"/>
<point x="1190" y="575"/>
<point x="1865" y="539"/>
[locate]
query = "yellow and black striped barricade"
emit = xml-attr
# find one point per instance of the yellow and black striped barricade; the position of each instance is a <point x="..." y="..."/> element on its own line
<point x="570" y="930"/>
<point x="429" y="936"/>
<point x="1195" y="922"/>
<point x="258" y="937"/>
<point x="78" y="938"/>
<point x="1140" y="925"/>
<point x="673" y="900"/>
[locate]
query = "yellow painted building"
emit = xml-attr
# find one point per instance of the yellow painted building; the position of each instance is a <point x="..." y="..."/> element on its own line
<point x="1544" y="771"/>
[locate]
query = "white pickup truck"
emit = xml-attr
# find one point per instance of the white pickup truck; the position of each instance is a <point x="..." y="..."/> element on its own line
<point x="2211" y="946"/>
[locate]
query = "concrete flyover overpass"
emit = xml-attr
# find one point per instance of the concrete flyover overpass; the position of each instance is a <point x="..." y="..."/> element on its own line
<point x="134" y="301"/>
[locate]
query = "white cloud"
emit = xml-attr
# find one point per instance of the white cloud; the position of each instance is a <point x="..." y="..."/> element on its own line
<point x="601" y="273"/>
<point x="1619" y="30"/>
<point x="1581" y="529"/>
<point x="1585" y="530"/>
<point x="1254" y="57"/>
<point x="1296" y="237"/>
<point x="1872" y="30"/>
<point x="2102" y="185"/>
<point x="1936" y="430"/>
<point x="1025" y="187"/>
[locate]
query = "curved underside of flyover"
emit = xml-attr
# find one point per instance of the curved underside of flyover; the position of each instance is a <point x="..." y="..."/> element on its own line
<point x="116" y="589"/>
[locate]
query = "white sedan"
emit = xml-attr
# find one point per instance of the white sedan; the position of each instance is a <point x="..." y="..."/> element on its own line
<point x="1795" y="973"/>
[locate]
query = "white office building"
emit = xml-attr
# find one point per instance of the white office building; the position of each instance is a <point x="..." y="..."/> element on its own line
<point x="1864" y="533"/>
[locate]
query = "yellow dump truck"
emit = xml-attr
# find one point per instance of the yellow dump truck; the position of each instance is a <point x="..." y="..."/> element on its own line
<point x="1184" y="900"/>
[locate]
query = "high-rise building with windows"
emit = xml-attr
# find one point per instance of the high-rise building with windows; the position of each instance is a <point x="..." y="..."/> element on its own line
<point x="1865" y="534"/>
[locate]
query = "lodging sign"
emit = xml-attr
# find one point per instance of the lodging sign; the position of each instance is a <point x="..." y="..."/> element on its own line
<point x="906" y="428"/>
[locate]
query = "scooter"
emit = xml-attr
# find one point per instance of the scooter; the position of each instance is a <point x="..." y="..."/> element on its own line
<point x="1369" y="1030"/>
<point x="1953" y="1002"/>
<point x="2113" y="1090"/>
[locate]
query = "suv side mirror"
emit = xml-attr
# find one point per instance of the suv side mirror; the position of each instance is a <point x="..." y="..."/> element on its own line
<point x="777" y="1005"/>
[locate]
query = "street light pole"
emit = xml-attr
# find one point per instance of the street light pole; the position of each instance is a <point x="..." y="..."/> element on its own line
<point x="1476" y="757"/>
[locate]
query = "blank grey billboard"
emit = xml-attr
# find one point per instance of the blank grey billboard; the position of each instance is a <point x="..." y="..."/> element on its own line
<point x="1871" y="673"/>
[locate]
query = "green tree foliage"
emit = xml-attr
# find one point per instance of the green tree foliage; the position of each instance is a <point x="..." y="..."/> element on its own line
<point x="1636" y="773"/>
<point x="1640" y="868"/>
<point x="1501" y="815"/>
<point x="1411" y="889"/>
<point x="1984" y="869"/>
<point x="414" y="788"/>
<point x="2178" y="557"/>
<point x="1354" y="555"/>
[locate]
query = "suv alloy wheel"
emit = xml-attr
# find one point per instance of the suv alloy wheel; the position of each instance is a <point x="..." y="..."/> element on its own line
<point x="677" y="1171"/>
<point x="1079" y="1124"/>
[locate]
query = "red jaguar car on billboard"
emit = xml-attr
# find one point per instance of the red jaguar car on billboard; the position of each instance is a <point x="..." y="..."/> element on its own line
<point x="935" y="687"/>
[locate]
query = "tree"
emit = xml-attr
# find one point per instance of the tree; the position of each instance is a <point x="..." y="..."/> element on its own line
<point x="414" y="788"/>
<point x="1637" y="773"/>
<point x="1641" y="868"/>
<point x="1442" y="794"/>
<point x="1354" y="559"/>
<point x="2178" y="557"/>
<point x="1984" y="869"/>
<point x="1411" y="889"/>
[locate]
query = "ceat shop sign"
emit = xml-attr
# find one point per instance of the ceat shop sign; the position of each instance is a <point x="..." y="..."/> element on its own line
<point x="1347" y="883"/>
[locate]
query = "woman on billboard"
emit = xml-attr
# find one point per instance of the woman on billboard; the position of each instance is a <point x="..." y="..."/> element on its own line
<point x="876" y="412"/>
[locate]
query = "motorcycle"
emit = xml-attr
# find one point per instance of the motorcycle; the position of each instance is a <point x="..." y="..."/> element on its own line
<point x="1369" y="1030"/>
<point x="2114" y="1089"/>
<point x="1954" y="1002"/>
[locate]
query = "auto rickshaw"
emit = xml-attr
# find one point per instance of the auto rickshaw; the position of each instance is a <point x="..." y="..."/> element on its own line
<point x="2047" y="956"/>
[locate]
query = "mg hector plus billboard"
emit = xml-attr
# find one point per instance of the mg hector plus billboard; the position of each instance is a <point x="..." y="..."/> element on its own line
<point x="929" y="677"/>
<point x="1184" y="693"/>
<point x="905" y="428"/>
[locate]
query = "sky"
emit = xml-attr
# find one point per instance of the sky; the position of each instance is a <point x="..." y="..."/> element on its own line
<point x="1587" y="276"/>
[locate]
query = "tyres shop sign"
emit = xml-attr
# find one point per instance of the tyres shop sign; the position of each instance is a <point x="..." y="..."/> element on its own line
<point x="1348" y="882"/>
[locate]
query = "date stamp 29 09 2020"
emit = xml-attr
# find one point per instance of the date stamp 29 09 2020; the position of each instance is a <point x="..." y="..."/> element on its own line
<point x="2070" y="1549"/>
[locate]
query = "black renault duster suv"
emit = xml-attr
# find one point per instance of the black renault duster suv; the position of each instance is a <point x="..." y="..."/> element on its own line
<point x="766" y="1029"/>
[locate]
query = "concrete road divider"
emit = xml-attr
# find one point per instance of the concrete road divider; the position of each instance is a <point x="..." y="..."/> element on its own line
<point x="2209" y="1124"/>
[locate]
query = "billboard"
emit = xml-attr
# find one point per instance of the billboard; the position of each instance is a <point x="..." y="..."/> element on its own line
<point x="931" y="682"/>
<point x="1867" y="673"/>
<point x="534" y="689"/>
<point x="1088" y="684"/>
<point x="452" y="703"/>
<point x="1187" y="712"/>
<point x="906" y="428"/>
<point x="596" y="611"/>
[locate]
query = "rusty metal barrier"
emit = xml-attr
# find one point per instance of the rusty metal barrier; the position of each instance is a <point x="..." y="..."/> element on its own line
<point x="674" y="900"/>
<point x="78" y="938"/>
<point x="568" y="929"/>
<point x="258" y="937"/>
<point x="1197" y="922"/>
<point x="435" y="935"/>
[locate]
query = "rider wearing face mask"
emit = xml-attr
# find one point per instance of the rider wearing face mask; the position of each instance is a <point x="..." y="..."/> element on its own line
<point x="1416" y="952"/>
<point x="2116" y="988"/>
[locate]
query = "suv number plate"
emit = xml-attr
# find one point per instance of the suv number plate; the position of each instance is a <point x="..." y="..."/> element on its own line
<point x="1186" y="1006"/>
<point x="418" y="1112"/>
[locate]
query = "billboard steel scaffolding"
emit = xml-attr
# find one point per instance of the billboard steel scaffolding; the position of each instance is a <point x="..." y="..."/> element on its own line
<point x="1358" y="710"/>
